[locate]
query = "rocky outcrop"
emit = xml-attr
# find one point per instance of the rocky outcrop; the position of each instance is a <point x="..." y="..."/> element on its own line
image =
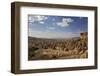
<point x="59" y="48"/>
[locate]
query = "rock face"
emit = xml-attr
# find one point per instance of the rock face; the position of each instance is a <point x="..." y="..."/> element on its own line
<point x="84" y="40"/>
<point x="40" y="49"/>
<point x="84" y="36"/>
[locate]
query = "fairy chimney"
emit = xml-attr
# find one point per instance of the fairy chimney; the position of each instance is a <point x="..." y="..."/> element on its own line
<point x="83" y="36"/>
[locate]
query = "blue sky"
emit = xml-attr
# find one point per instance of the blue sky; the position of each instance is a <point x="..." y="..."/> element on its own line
<point x="46" y="26"/>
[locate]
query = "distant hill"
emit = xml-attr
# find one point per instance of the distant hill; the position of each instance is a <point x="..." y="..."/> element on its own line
<point x="35" y="38"/>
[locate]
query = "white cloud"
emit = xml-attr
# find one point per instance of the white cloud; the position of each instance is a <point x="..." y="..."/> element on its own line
<point x="34" y="33"/>
<point x="30" y="19"/>
<point x="51" y="28"/>
<point x="41" y="22"/>
<point x="38" y="18"/>
<point x="65" y="22"/>
<point x="68" y="19"/>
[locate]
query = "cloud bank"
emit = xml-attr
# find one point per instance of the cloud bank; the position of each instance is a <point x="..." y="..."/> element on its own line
<point x="65" y="22"/>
